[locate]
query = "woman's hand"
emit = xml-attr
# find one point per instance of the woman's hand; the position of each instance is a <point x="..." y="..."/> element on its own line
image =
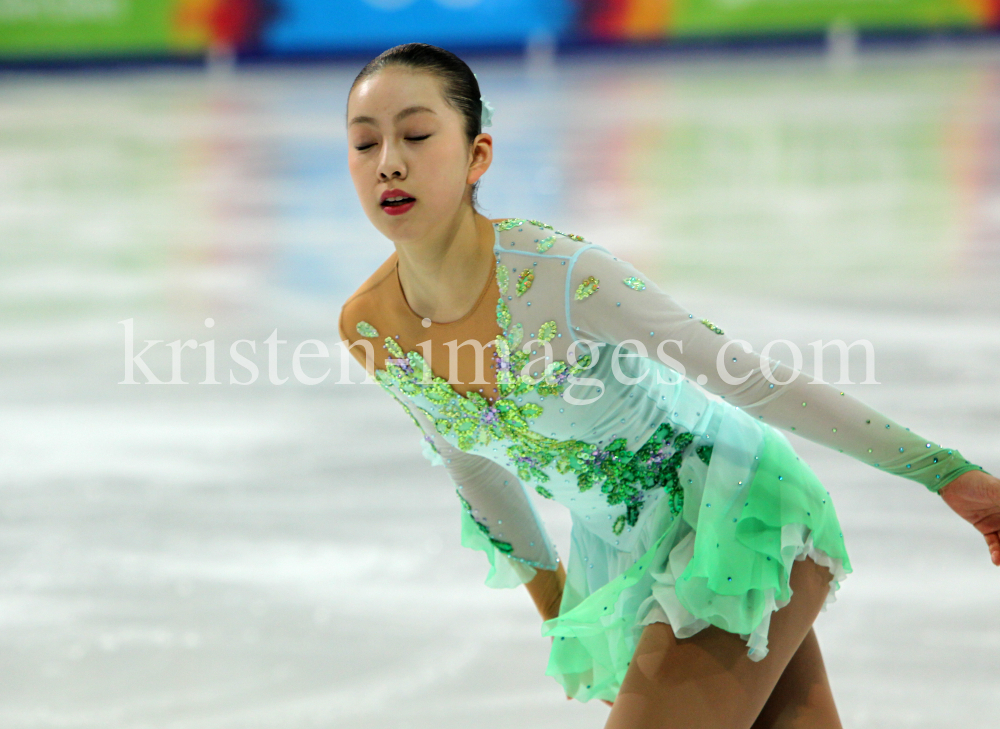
<point x="975" y="496"/>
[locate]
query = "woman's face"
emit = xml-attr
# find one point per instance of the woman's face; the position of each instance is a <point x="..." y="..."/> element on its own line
<point x="406" y="141"/>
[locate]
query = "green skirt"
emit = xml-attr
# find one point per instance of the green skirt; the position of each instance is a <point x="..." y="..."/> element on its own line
<point x="729" y="568"/>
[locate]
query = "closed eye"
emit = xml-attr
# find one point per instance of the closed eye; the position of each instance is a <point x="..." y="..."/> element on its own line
<point x="409" y="139"/>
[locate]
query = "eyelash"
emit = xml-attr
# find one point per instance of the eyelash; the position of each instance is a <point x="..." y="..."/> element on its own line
<point x="411" y="139"/>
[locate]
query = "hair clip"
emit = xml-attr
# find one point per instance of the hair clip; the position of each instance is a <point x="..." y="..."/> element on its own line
<point x="486" y="116"/>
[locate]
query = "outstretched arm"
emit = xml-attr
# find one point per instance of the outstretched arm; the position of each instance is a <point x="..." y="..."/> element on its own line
<point x="628" y="306"/>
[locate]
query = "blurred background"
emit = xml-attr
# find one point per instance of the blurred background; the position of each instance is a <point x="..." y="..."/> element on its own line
<point x="212" y="554"/>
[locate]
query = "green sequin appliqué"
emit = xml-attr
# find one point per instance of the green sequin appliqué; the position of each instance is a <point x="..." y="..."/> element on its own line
<point x="366" y="330"/>
<point x="472" y="418"/>
<point x="634" y="283"/>
<point x="704" y="453"/>
<point x="546" y="226"/>
<point x="505" y="547"/>
<point x="503" y="314"/>
<point x="712" y="326"/>
<point x="623" y="476"/>
<point x="503" y="278"/>
<point x="545" y="243"/>
<point x="509" y="223"/>
<point x="524" y="281"/>
<point x="516" y="335"/>
<point x="547" y="331"/>
<point x="629" y="475"/>
<point x="587" y="287"/>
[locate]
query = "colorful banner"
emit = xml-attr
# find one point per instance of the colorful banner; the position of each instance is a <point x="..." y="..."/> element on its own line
<point x="74" y="28"/>
<point x="318" y="25"/>
<point x="656" y="19"/>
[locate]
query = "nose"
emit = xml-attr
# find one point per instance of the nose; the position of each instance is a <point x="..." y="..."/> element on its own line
<point x="391" y="163"/>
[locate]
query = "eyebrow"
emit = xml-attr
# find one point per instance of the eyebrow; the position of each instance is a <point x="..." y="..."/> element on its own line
<point x="401" y="115"/>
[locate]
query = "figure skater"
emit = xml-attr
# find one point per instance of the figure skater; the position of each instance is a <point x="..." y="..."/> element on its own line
<point x="702" y="547"/>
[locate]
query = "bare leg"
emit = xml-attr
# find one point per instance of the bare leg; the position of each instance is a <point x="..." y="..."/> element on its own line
<point x="802" y="698"/>
<point x="707" y="681"/>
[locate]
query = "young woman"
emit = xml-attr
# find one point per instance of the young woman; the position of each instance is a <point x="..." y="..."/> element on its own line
<point x="702" y="548"/>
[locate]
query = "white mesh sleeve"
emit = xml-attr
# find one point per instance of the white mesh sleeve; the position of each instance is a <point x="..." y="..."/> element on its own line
<point x="498" y="517"/>
<point x="699" y="350"/>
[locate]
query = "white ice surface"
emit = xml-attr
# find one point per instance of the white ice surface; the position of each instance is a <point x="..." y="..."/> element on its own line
<point x="281" y="556"/>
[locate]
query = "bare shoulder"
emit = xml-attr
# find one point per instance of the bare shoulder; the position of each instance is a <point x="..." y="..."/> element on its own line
<point x="363" y="314"/>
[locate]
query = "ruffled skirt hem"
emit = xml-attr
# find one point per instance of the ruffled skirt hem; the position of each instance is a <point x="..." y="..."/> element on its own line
<point x="663" y="605"/>
<point x="726" y="567"/>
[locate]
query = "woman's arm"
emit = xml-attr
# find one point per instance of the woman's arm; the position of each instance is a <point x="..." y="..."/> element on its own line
<point x="817" y="411"/>
<point x="498" y="517"/>
<point x="701" y="351"/>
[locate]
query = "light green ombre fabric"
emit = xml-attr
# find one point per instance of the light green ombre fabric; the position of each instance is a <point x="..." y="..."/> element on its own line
<point x="504" y="572"/>
<point x="732" y="573"/>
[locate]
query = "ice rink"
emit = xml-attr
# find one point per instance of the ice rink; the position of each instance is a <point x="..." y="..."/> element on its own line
<point x="279" y="555"/>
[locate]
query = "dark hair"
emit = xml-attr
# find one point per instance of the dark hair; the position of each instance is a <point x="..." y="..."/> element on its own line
<point x="459" y="84"/>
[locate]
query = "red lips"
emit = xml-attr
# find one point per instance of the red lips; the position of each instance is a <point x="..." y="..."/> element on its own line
<point x="394" y="193"/>
<point x="397" y="208"/>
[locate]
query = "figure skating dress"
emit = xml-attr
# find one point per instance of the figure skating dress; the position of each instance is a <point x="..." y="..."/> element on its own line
<point x="689" y="505"/>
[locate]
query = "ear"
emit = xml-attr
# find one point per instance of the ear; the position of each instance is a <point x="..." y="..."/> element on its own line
<point x="482" y="157"/>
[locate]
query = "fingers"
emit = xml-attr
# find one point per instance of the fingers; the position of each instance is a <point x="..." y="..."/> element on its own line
<point x="603" y="701"/>
<point x="993" y="541"/>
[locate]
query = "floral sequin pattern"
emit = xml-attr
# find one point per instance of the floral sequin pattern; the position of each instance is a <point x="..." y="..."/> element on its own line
<point x="622" y="476"/>
<point x="366" y="330"/>
<point x="471" y="418"/>
<point x="634" y="283"/>
<point x="587" y="287"/>
<point x="628" y="476"/>
<point x="545" y="243"/>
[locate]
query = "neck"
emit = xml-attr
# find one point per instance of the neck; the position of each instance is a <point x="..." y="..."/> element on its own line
<point x="443" y="275"/>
